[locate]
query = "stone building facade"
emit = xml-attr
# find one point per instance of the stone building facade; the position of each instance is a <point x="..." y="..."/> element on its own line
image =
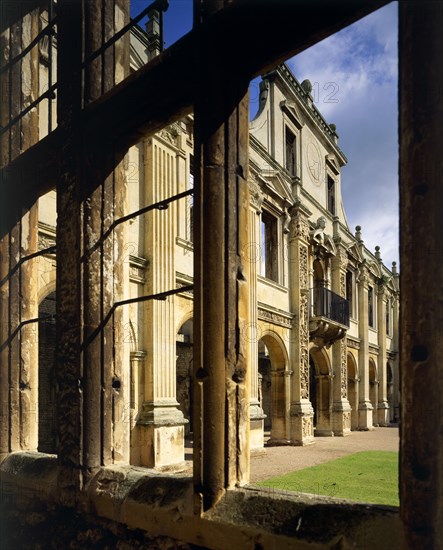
<point x="323" y="323"/>
<point x="89" y="493"/>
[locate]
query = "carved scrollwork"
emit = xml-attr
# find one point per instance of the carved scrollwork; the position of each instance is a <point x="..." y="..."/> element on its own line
<point x="255" y="193"/>
<point x="344" y="369"/>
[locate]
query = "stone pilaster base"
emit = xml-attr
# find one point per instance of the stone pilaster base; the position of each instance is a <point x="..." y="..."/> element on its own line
<point x="256" y="427"/>
<point x="302" y="423"/>
<point x="161" y="429"/>
<point x="365" y="415"/>
<point x="383" y="413"/>
<point x="341" y="418"/>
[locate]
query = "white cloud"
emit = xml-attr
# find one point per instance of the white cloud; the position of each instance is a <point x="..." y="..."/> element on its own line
<point x="359" y="64"/>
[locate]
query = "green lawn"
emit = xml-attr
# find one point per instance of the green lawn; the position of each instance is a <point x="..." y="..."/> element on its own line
<point x="369" y="476"/>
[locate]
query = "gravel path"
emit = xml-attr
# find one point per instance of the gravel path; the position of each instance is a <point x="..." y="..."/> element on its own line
<point x="276" y="461"/>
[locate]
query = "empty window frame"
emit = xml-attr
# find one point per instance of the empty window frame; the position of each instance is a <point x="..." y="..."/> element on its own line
<point x="371" y="306"/>
<point x="350" y="291"/>
<point x="291" y="152"/>
<point x="269" y="246"/>
<point x="331" y="195"/>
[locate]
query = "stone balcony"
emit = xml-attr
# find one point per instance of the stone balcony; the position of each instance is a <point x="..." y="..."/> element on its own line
<point x="328" y="317"/>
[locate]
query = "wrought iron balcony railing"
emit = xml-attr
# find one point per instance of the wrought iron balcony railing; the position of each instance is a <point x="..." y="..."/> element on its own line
<point x="327" y="304"/>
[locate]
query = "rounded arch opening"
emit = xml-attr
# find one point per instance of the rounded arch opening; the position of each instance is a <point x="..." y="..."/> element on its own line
<point x="373" y="387"/>
<point x="320" y="391"/>
<point x="352" y="389"/>
<point x="184" y="371"/>
<point x="272" y="363"/>
<point x="47" y="426"/>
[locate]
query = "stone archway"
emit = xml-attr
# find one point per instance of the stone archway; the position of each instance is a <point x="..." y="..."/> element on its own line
<point x="272" y="370"/>
<point x="184" y="367"/>
<point x="47" y="425"/>
<point x="320" y="391"/>
<point x="353" y="390"/>
<point x="373" y="388"/>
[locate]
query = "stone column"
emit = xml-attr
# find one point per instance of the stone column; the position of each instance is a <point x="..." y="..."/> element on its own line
<point x="254" y="255"/>
<point x="18" y="281"/>
<point x="221" y="272"/>
<point x="341" y="409"/>
<point x="365" y="406"/>
<point x="301" y="412"/>
<point x="161" y="423"/>
<point x="382" y="401"/>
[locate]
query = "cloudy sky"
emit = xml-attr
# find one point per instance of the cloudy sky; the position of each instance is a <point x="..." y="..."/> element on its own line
<point x="354" y="77"/>
<point x="358" y="68"/>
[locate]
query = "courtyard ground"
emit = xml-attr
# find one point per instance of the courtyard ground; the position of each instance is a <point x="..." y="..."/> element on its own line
<point x="275" y="461"/>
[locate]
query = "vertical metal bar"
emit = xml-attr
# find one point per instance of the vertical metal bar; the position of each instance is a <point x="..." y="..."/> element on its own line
<point x="50" y="60"/>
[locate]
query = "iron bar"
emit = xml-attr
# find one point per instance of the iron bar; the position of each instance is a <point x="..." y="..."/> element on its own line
<point x="50" y="60"/>
<point x="158" y="296"/>
<point x="161" y="205"/>
<point x="16" y="119"/>
<point x="50" y="250"/>
<point x="161" y="5"/>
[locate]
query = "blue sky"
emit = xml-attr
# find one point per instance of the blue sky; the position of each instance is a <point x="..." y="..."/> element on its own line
<point x="357" y="67"/>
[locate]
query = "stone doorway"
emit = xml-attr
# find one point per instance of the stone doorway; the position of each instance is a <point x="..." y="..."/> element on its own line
<point x="373" y="389"/>
<point x="47" y="432"/>
<point x="320" y="392"/>
<point x="272" y="388"/>
<point x="353" y="390"/>
<point x="184" y="367"/>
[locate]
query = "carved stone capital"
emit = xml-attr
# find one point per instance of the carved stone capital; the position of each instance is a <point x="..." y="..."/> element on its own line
<point x="255" y="193"/>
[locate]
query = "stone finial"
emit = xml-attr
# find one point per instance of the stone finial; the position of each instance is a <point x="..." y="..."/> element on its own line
<point x="394" y="268"/>
<point x="358" y="233"/>
<point x="377" y="253"/>
<point x="307" y="86"/>
<point x="333" y="127"/>
<point x="153" y="31"/>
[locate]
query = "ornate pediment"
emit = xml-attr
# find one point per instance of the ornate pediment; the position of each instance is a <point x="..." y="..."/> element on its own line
<point x="291" y="110"/>
<point x="332" y="163"/>
<point x="275" y="182"/>
<point x="354" y="253"/>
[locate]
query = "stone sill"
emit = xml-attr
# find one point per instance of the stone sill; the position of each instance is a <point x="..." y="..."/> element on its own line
<point x="164" y="505"/>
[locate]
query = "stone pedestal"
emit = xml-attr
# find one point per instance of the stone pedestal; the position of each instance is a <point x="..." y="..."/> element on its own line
<point x="341" y="417"/>
<point x="383" y="413"/>
<point x="161" y="433"/>
<point x="365" y="421"/>
<point x="302" y="423"/>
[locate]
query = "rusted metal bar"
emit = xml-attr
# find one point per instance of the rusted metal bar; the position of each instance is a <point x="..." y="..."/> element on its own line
<point x="161" y="5"/>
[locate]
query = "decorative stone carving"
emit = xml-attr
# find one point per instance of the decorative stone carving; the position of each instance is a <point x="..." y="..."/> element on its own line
<point x="255" y="193"/>
<point x="137" y="269"/>
<point x="298" y="226"/>
<point x="343" y="284"/>
<point x="45" y="241"/>
<point x="275" y="317"/>
<point x="347" y="420"/>
<point x="307" y="429"/>
<point x="304" y="275"/>
<point x="352" y="344"/>
<point x="304" y="343"/>
<point x="344" y="369"/>
<point x="171" y="133"/>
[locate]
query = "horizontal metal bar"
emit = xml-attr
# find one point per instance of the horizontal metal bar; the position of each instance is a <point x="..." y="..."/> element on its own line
<point x="160" y="5"/>
<point x="159" y="296"/>
<point x="17" y="118"/>
<point x="13" y="334"/>
<point x="50" y="250"/>
<point x="161" y="205"/>
<point x="47" y="30"/>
